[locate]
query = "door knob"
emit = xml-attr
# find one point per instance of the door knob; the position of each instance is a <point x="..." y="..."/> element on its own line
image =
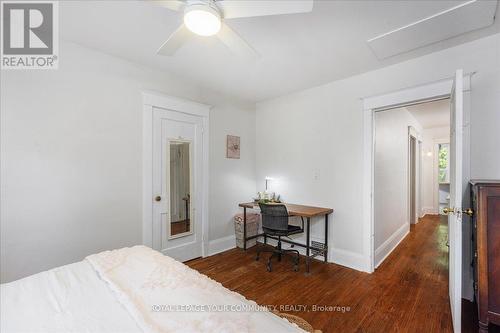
<point x="468" y="211"/>
<point x="448" y="210"/>
<point x="157" y="198"/>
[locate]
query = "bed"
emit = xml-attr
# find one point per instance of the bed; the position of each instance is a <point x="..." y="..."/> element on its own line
<point x="132" y="289"/>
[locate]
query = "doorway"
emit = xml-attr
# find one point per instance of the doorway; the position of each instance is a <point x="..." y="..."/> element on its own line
<point x="175" y="178"/>
<point x="452" y="88"/>
<point x="425" y="176"/>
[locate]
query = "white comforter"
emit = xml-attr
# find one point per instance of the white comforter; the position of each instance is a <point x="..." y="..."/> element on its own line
<point x="129" y="290"/>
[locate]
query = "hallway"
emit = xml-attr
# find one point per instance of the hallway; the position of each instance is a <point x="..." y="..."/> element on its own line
<point x="407" y="293"/>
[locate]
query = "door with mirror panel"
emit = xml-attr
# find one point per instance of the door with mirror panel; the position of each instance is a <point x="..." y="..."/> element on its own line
<point x="177" y="171"/>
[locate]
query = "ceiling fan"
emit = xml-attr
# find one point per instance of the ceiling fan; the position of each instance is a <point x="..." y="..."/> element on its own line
<point x="206" y="18"/>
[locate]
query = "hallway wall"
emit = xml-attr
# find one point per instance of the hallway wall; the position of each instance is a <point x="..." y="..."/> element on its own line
<point x="391" y="202"/>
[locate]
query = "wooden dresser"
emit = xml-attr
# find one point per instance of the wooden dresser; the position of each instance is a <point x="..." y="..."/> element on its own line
<point x="485" y="198"/>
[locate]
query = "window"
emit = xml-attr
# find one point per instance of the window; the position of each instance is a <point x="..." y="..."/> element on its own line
<point x="444" y="163"/>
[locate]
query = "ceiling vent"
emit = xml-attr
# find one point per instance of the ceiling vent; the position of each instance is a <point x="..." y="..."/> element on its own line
<point x="465" y="17"/>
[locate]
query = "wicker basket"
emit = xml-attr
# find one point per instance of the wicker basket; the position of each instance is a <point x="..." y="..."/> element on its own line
<point x="253" y="223"/>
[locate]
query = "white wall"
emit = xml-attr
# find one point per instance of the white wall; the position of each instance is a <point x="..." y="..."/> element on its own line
<point x="232" y="181"/>
<point x="391" y="223"/>
<point x="429" y="167"/>
<point x="71" y="158"/>
<point x="320" y="130"/>
<point x="484" y="120"/>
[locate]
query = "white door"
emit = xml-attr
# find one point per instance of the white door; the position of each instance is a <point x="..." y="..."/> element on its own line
<point x="455" y="217"/>
<point x="177" y="174"/>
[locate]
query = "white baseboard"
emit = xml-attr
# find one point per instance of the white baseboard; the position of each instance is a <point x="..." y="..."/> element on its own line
<point x="349" y="259"/>
<point x="221" y="244"/>
<point x="390" y="244"/>
<point x="337" y="256"/>
<point x="284" y="245"/>
<point x="429" y="210"/>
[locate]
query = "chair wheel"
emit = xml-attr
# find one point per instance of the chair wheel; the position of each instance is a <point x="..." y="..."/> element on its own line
<point x="295" y="268"/>
<point x="269" y="267"/>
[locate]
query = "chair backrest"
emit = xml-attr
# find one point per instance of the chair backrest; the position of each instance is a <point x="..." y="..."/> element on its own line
<point x="274" y="216"/>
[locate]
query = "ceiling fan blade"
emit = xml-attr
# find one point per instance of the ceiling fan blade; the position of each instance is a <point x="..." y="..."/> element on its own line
<point x="235" y="43"/>
<point x="175" y="41"/>
<point x="176" y="5"/>
<point x="249" y="8"/>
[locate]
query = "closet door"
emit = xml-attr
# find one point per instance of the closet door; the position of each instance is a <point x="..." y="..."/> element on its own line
<point x="177" y="173"/>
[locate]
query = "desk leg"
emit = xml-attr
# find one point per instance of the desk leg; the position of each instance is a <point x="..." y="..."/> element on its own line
<point x="244" y="228"/>
<point x="325" y="254"/>
<point x="308" y="236"/>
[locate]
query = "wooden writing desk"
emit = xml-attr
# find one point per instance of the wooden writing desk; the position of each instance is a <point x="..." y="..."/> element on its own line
<point x="295" y="210"/>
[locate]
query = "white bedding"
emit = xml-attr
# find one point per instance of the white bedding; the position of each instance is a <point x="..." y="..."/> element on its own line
<point x="128" y="290"/>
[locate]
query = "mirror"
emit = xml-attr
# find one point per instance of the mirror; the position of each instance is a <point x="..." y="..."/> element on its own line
<point x="180" y="188"/>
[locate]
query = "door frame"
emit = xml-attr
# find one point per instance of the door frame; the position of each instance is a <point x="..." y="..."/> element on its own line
<point x="419" y="187"/>
<point x="151" y="100"/>
<point x="412" y="133"/>
<point x="429" y="92"/>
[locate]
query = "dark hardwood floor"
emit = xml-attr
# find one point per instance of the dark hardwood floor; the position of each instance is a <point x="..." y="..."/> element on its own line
<point x="407" y="293"/>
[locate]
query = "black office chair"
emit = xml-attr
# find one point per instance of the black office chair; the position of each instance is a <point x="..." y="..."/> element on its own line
<point x="275" y="223"/>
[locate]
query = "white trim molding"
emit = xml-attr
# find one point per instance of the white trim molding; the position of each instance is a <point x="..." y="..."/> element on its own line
<point x="409" y="96"/>
<point x="383" y="251"/>
<point x="287" y="246"/>
<point x="337" y="256"/>
<point x="413" y="133"/>
<point x="349" y="259"/>
<point x="429" y="211"/>
<point x="221" y="244"/>
<point x="160" y="100"/>
<point x="151" y="100"/>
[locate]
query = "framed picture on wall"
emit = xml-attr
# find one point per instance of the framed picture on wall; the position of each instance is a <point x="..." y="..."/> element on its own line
<point x="233" y="147"/>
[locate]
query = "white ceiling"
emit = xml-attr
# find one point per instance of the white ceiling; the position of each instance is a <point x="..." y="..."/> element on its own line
<point x="432" y="114"/>
<point x="298" y="51"/>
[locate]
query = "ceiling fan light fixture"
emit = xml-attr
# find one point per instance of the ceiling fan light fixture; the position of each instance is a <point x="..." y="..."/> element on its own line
<point x="203" y="20"/>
